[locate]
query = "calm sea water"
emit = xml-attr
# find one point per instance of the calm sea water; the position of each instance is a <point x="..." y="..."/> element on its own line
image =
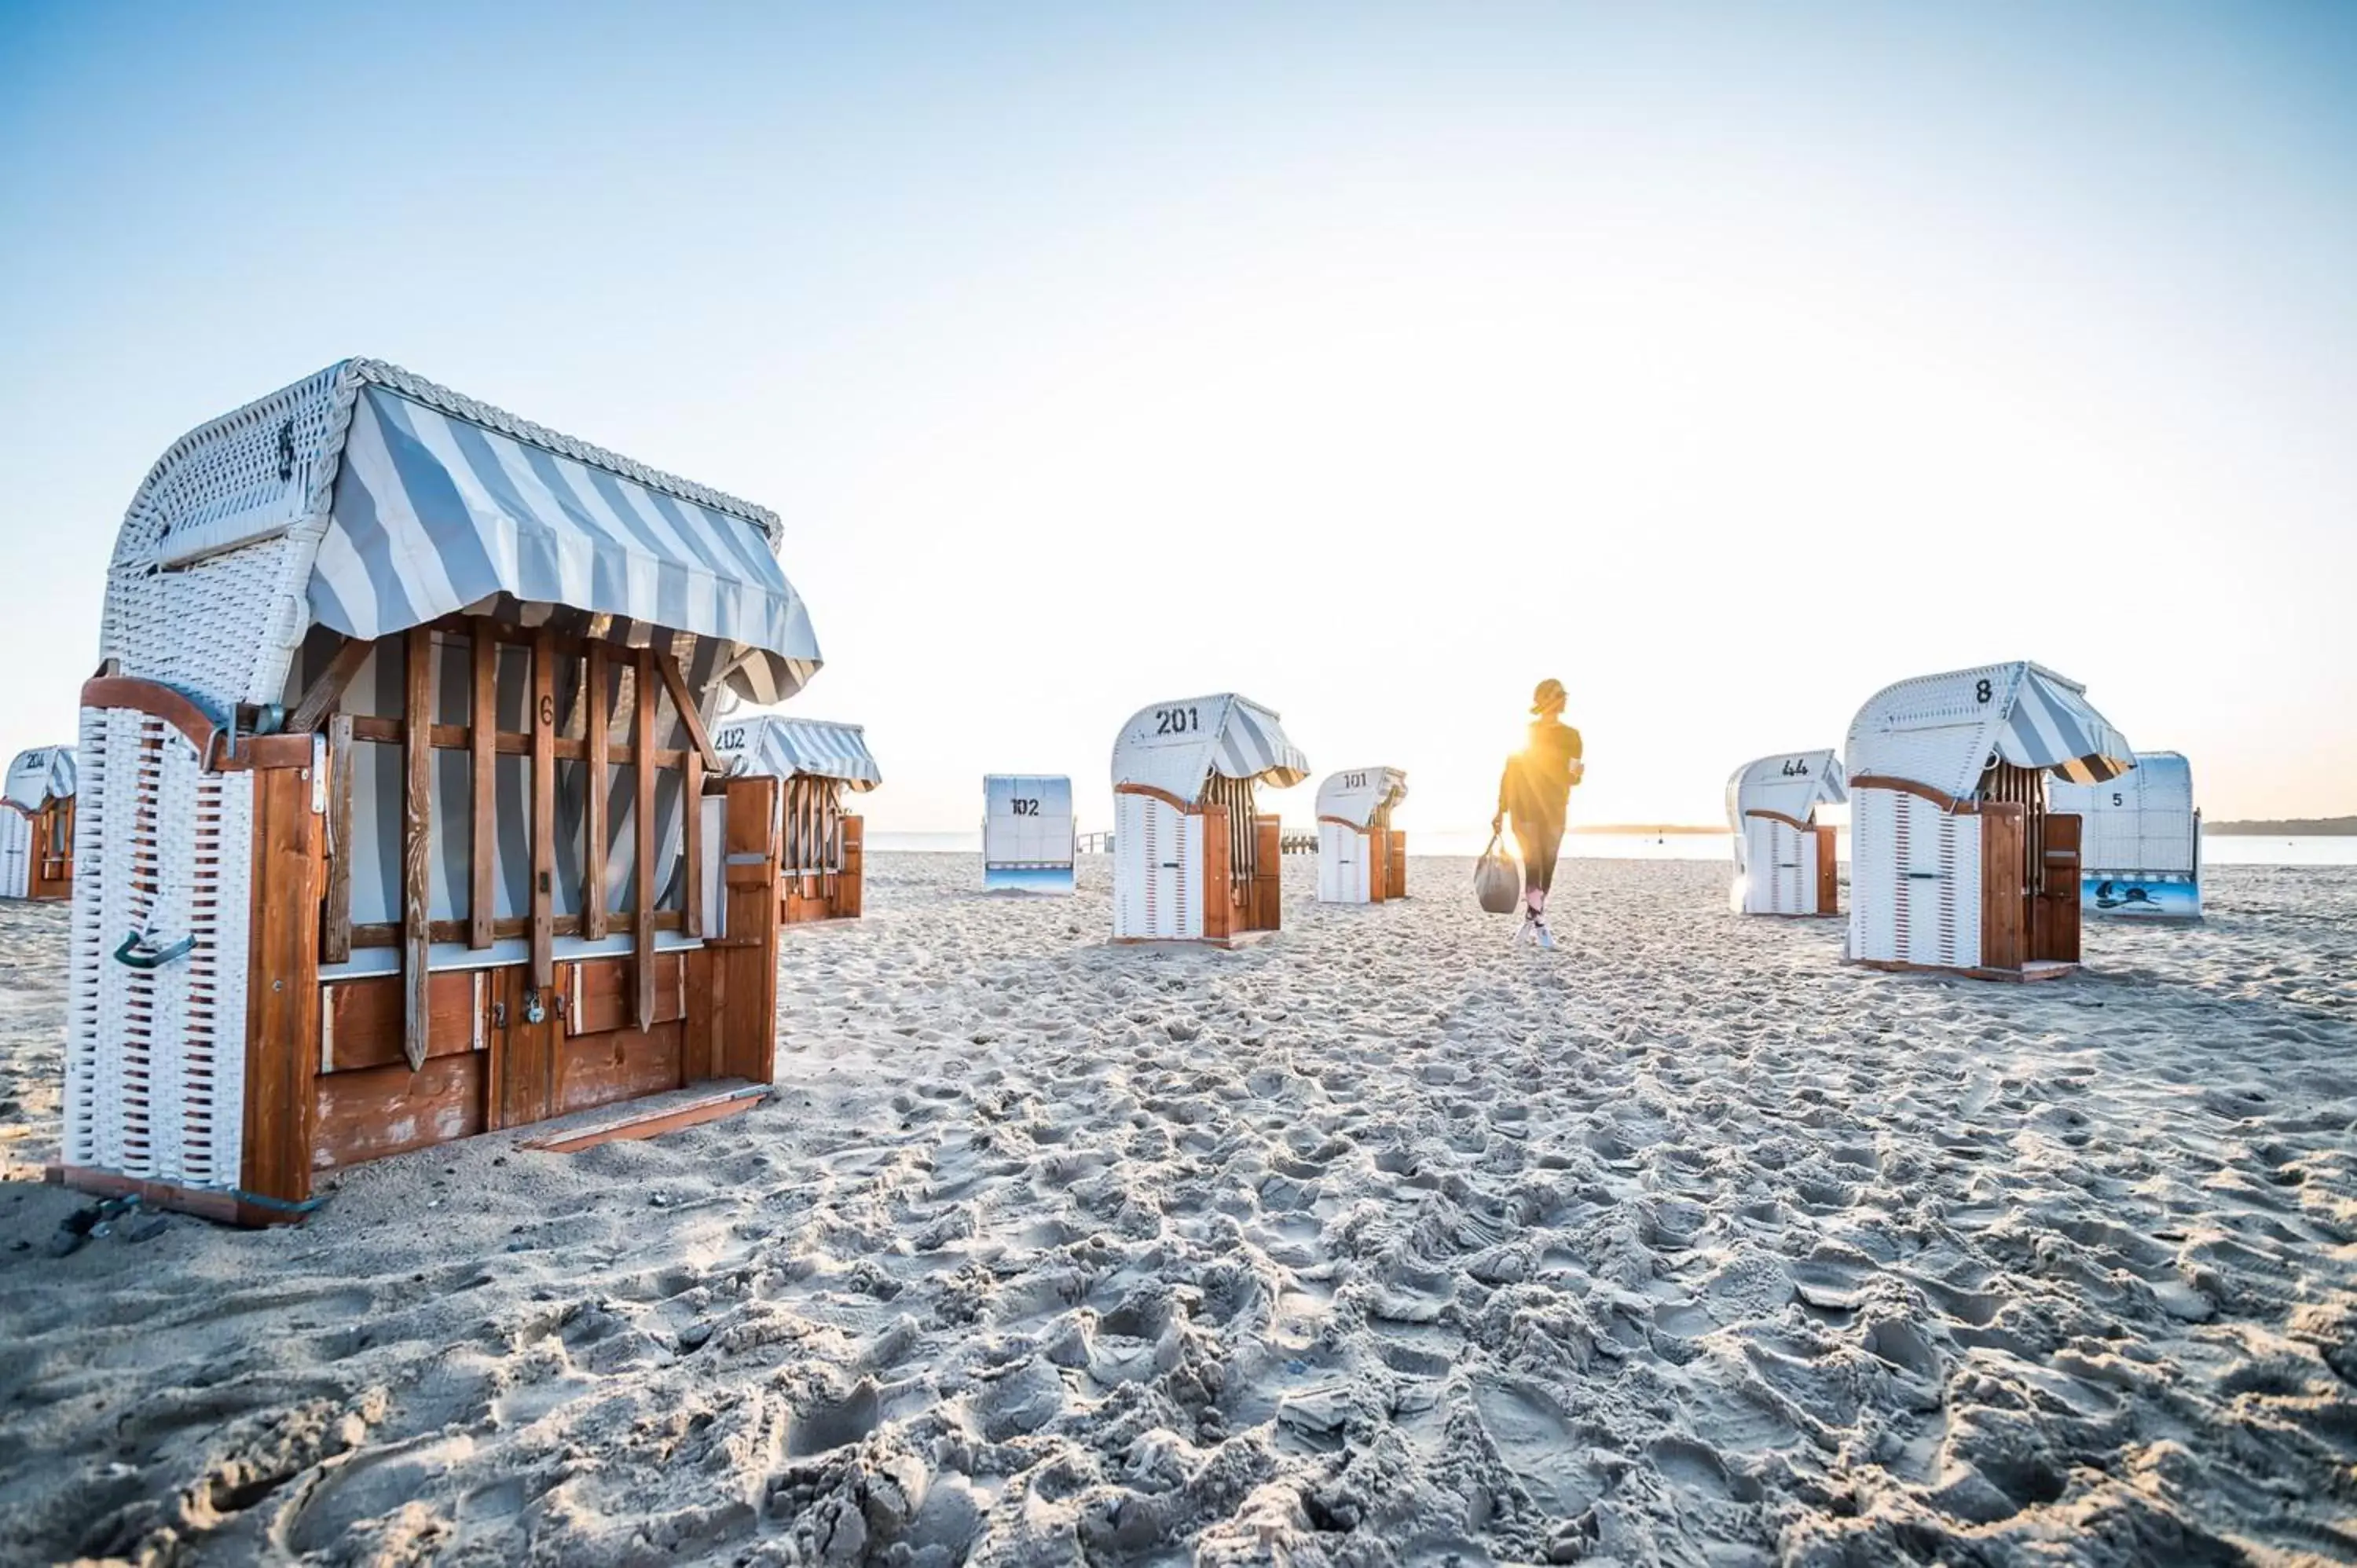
<point x="2217" y="849"/>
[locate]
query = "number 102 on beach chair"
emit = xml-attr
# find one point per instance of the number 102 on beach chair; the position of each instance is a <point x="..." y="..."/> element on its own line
<point x="1027" y="834"/>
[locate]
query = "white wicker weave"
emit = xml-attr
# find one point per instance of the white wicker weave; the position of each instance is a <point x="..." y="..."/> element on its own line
<point x="1157" y="885"/>
<point x="15" y="855"/>
<point x="155" y="1058"/>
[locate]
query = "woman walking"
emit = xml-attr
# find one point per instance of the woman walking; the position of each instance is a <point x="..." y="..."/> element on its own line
<point x="1535" y="792"/>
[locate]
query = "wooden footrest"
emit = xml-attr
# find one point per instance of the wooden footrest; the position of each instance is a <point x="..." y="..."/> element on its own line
<point x="651" y="1119"/>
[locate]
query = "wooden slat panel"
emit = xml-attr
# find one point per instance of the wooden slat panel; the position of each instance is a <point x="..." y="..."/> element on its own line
<point x="1269" y="871"/>
<point x="2004" y="941"/>
<point x="376" y="731"/>
<point x="336" y="926"/>
<point x="603" y="997"/>
<point x="1399" y="864"/>
<point x="653" y="1123"/>
<point x="1219" y="907"/>
<point x="381" y="1111"/>
<point x="691" y="796"/>
<point x="327" y="691"/>
<point x="364" y="1026"/>
<point x="642" y="909"/>
<point x="2059" y="898"/>
<point x="698" y="742"/>
<point x="597" y="733"/>
<point x="1828" y="872"/>
<point x="543" y="809"/>
<point x="376" y="934"/>
<point x="483" y="732"/>
<point x="745" y="972"/>
<point x="416" y="836"/>
<point x="850" y="883"/>
<point x="524" y="1064"/>
<point x="282" y="1030"/>
<point x="621" y="1064"/>
<point x="700" y="1048"/>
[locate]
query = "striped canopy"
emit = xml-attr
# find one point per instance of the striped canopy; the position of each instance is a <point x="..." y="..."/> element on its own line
<point x="37" y="776"/>
<point x="442" y="505"/>
<point x="1356" y="795"/>
<point x="1175" y="747"/>
<point x="774" y="745"/>
<point x="1945" y="730"/>
<point x="2052" y="726"/>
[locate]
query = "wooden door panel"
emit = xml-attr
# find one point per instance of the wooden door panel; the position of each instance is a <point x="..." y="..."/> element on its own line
<point x="2003" y="939"/>
<point x="523" y="1053"/>
<point x="2058" y="898"/>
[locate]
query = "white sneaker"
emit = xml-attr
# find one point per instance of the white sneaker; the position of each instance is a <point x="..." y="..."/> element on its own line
<point x="1546" y="938"/>
<point x="1529" y="928"/>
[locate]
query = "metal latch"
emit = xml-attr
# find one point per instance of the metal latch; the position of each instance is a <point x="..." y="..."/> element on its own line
<point x="139" y="951"/>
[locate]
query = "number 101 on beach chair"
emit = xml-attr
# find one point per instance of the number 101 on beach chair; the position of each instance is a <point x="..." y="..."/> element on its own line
<point x="1193" y="861"/>
<point x="1361" y="858"/>
<point x="401" y="819"/>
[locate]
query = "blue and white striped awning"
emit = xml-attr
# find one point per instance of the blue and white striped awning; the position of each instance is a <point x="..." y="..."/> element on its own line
<point x="1175" y="747"/>
<point x="2052" y="726"/>
<point x="36" y="777"/>
<point x="773" y="745"/>
<point x="435" y="512"/>
<point x="1945" y="730"/>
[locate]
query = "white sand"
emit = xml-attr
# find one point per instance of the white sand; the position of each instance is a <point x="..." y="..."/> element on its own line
<point x="1378" y="1243"/>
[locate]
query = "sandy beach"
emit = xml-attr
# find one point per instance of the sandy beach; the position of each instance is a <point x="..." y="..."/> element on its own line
<point x="1380" y="1242"/>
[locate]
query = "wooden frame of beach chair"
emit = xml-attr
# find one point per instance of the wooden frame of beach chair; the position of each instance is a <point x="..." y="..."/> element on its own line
<point x="1958" y="864"/>
<point x="238" y="1024"/>
<point x="1360" y="857"/>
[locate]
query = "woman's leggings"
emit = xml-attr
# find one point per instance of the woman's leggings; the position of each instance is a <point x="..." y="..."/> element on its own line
<point x="1539" y="847"/>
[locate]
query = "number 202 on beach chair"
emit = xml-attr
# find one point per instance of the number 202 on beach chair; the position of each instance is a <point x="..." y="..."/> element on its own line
<point x="822" y="848"/>
<point x="37" y="824"/>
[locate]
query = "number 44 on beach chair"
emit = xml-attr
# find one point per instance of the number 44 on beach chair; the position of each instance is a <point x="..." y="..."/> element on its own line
<point x="400" y="817"/>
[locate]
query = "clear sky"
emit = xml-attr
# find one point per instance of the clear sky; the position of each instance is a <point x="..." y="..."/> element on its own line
<point x="1372" y="361"/>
